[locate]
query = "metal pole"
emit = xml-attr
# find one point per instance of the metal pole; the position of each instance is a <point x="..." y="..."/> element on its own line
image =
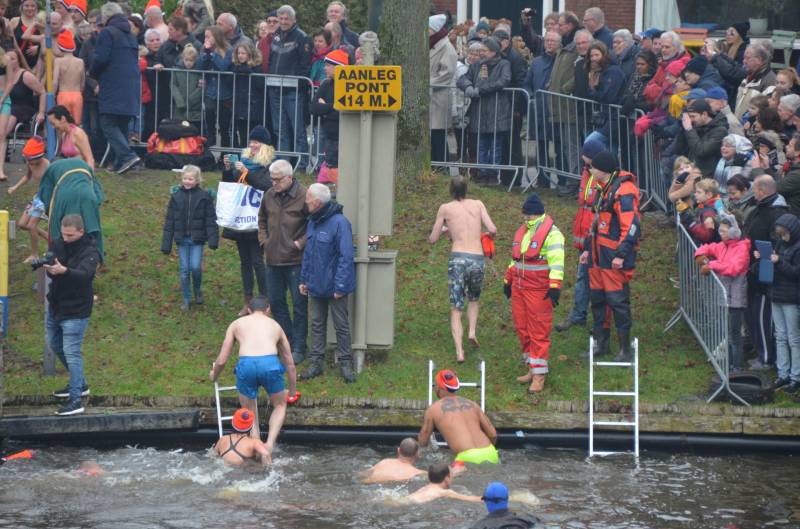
<point x="3" y="299"/>
<point x="51" y="96"/>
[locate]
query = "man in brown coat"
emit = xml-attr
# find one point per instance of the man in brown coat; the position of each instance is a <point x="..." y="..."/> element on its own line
<point x="282" y="233"/>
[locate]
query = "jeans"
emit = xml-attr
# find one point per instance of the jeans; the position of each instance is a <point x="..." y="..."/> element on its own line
<point x="490" y="151"/>
<point x="190" y="260"/>
<point x="735" y="359"/>
<point x="251" y="261"/>
<point x="579" y="308"/>
<point x="787" y="340"/>
<point x="115" y="129"/>
<point x="65" y="338"/>
<point x="319" y="328"/>
<point x="289" y="118"/>
<point x="279" y="279"/>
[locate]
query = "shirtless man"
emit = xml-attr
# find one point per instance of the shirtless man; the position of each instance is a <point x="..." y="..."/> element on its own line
<point x="36" y="163"/>
<point x="439" y="487"/>
<point x="463" y="219"/>
<point x="69" y="77"/>
<point x="400" y="468"/>
<point x="264" y="356"/>
<point x="462" y="423"/>
<point x="238" y="447"/>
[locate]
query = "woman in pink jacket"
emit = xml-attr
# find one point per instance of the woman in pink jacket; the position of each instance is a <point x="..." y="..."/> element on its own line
<point x="729" y="259"/>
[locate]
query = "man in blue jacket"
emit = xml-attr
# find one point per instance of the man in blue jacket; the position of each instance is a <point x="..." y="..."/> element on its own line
<point x="328" y="275"/>
<point x="116" y="68"/>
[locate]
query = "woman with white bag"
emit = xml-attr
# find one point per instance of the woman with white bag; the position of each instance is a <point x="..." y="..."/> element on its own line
<point x="252" y="170"/>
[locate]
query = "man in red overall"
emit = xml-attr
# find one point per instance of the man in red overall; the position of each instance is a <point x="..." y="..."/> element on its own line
<point x="533" y="282"/>
<point x="611" y="252"/>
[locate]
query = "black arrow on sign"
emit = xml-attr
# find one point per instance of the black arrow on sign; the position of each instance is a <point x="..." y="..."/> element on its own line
<point x="341" y="100"/>
<point x="392" y="101"/>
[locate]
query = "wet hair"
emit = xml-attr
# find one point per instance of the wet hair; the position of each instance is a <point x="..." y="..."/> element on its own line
<point x="259" y="303"/>
<point x="409" y="447"/>
<point x="709" y="185"/>
<point x="437" y="472"/>
<point x="458" y="187"/>
<point x="770" y="119"/>
<point x="72" y="221"/>
<point x="60" y="112"/>
<point x="738" y="181"/>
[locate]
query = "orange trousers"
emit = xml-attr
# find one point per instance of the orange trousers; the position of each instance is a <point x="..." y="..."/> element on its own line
<point x="533" y="319"/>
<point x="74" y="103"/>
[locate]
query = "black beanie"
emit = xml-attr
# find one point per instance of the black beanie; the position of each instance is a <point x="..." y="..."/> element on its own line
<point x="533" y="205"/>
<point x="697" y="64"/>
<point x="261" y="135"/>
<point x="742" y="28"/>
<point x="605" y="161"/>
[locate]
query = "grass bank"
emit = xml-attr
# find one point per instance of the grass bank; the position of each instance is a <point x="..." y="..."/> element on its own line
<point x="140" y="343"/>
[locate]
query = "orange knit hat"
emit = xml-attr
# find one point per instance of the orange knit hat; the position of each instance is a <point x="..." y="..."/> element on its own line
<point x="78" y="5"/>
<point x="34" y="148"/>
<point x="151" y="4"/>
<point x="66" y="41"/>
<point x="338" y="57"/>
<point x="242" y="420"/>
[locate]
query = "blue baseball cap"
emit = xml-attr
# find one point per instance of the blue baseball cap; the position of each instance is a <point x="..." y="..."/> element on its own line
<point x="495" y="496"/>
<point x="650" y="33"/>
<point x="696" y="93"/>
<point x="717" y="92"/>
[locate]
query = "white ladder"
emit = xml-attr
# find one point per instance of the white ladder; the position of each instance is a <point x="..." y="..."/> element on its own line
<point x="480" y="385"/>
<point x="635" y="394"/>
<point x="220" y="417"/>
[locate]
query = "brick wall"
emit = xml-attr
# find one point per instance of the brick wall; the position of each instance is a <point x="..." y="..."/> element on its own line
<point x="619" y="13"/>
<point x="443" y="6"/>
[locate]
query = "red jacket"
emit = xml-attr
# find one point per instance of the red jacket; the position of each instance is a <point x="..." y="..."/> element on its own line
<point x="617" y="228"/>
<point x="728" y="258"/>
<point x="584" y="216"/>
<point x="697" y="229"/>
<point x="658" y="84"/>
<point x="147" y="95"/>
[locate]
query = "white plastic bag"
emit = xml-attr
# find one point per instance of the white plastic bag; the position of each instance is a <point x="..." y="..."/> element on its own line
<point x="237" y="206"/>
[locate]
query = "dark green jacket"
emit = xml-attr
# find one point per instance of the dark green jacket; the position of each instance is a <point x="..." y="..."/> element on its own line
<point x="789" y="187"/>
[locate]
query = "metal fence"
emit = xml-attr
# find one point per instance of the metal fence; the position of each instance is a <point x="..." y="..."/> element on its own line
<point x="704" y="307"/>
<point x="225" y="106"/>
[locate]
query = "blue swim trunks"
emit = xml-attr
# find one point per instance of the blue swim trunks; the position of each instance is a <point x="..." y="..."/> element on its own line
<point x="36" y="207"/>
<point x="254" y="371"/>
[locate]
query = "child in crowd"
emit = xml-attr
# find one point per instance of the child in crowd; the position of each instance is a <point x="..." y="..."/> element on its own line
<point x="187" y="92"/>
<point x="248" y="91"/>
<point x="754" y="106"/>
<point x="69" y="77"/>
<point x="684" y="176"/>
<point x="701" y="223"/>
<point x="729" y="259"/>
<point x="36" y="163"/>
<point x="785" y="292"/>
<point x="322" y="106"/>
<point x="190" y="221"/>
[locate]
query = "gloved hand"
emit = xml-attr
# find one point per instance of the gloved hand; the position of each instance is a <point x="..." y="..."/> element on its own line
<point x="701" y="260"/>
<point x="705" y="269"/>
<point x="471" y="91"/>
<point x="681" y="206"/>
<point x="507" y="290"/>
<point x="553" y="294"/>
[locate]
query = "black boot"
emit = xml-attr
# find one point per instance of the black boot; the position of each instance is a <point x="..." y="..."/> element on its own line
<point x="625" y="352"/>
<point x="602" y="345"/>
<point x="346" y="369"/>
<point x="314" y="369"/>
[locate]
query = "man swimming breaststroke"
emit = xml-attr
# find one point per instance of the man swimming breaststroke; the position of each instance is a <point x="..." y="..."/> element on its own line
<point x="400" y="468"/>
<point x="264" y="356"/>
<point x="237" y="447"/>
<point x="465" y="427"/>
<point x="439" y="487"/>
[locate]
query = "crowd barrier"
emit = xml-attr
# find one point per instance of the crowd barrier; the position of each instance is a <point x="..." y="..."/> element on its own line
<point x="704" y="307"/>
<point x="225" y="106"/>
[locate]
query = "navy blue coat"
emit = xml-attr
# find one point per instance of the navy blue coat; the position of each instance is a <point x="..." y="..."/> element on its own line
<point x="116" y="68"/>
<point x="605" y="35"/>
<point x="610" y="88"/>
<point x="328" y="265"/>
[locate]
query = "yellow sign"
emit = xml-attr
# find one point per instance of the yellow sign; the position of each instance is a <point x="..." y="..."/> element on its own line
<point x="368" y="88"/>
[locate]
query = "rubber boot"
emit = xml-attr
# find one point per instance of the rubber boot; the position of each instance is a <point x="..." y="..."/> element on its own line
<point x="246" y="308"/>
<point x="537" y="384"/>
<point x="602" y="343"/>
<point x="314" y="369"/>
<point x="346" y="369"/>
<point x="625" y="353"/>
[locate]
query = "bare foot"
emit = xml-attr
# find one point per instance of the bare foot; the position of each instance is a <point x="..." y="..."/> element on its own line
<point x="3" y="178"/>
<point x="474" y="341"/>
<point x="460" y="358"/>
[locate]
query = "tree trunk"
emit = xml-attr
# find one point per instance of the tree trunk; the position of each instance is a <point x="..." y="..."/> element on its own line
<point x="404" y="41"/>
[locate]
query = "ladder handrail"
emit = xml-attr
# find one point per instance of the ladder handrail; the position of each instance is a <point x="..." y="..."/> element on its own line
<point x="481" y="385"/>
<point x="220" y="417"/>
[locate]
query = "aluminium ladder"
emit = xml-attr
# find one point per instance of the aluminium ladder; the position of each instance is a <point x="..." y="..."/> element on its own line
<point x="480" y="385"/>
<point x="634" y="364"/>
<point x="220" y="417"/>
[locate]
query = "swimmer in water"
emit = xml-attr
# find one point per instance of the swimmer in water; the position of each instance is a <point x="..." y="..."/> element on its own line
<point x="91" y="469"/>
<point x="465" y="427"/>
<point x="400" y="468"/>
<point x="238" y="447"/>
<point x="264" y="356"/>
<point x="496" y="498"/>
<point x="439" y="487"/>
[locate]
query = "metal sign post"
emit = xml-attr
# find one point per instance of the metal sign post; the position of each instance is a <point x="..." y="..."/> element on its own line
<point x="3" y="299"/>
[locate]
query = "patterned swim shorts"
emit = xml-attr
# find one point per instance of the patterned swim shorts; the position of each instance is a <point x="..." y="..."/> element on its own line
<point x="464" y="278"/>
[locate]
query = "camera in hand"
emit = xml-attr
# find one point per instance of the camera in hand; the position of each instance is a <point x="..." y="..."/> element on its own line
<point x="47" y="259"/>
<point x="682" y="177"/>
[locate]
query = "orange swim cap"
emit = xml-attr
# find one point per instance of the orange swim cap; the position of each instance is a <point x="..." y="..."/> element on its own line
<point x="34" y="148"/>
<point x="242" y="420"/>
<point x="447" y="380"/>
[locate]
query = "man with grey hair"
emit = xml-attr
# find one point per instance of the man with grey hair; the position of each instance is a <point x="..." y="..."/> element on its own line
<point x="115" y="66"/>
<point x="595" y="21"/>
<point x="328" y="276"/>
<point x="337" y="12"/>
<point x="672" y="50"/>
<point x="787" y="107"/>
<point x="233" y="31"/>
<point x="760" y="79"/>
<point x="282" y="220"/>
<point x="624" y="52"/>
<point x="290" y="54"/>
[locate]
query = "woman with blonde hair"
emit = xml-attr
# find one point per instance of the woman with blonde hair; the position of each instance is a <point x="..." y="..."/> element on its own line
<point x="217" y="57"/>
<point x="253" y="170"/>
<point x="248" y="91"/>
